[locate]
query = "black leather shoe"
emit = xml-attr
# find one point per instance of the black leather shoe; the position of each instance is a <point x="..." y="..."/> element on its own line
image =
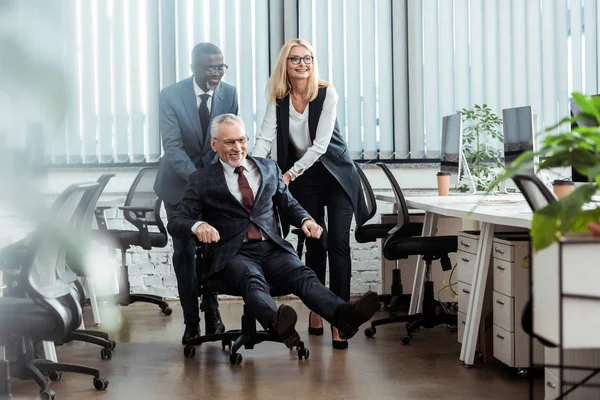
<point x="355" y="313"/>
<point x="284" y="326"/>
<point x="213" y="323"/>
<point x="192" y="331"/>
<point x="312" y="330"/>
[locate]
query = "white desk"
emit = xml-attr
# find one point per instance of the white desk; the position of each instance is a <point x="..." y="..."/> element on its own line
<point x="516" y="214"/>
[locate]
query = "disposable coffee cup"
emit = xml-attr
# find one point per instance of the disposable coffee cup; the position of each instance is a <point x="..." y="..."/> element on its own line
<point x="443" y="181"/>
<point x="562" y="188"/>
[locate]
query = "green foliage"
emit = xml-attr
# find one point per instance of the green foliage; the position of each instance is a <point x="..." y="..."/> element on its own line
<point x="481" y="135"/>
<point x="578" y="147"/>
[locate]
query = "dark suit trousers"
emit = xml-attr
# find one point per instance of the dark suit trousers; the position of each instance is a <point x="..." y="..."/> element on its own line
<point x="260" y="264"/>
<point x="184" y="264"/>
<point x="316" y="189"/>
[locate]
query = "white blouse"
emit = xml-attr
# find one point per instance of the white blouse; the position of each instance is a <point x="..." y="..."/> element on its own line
<point x="307" y="152"/>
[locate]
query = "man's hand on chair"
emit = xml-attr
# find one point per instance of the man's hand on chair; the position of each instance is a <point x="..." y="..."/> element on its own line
<point x="207" y="234"/>
<point x="311" y="229"/>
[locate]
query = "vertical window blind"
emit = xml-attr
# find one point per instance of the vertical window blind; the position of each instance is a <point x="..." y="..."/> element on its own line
<point x="398" y="66"/>
<point x="505" y="53"/>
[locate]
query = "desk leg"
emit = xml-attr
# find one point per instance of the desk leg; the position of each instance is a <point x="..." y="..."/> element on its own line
<point x="429" y="229"/>
<point x="482" y="263"/>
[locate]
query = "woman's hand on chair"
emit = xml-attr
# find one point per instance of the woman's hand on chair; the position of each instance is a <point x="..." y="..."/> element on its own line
<point x="287" y="178"/>
<point x="207" y="233"/>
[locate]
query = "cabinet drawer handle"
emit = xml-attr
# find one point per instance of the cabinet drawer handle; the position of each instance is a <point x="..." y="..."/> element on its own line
<point x="499" y="336"/>
<point x="465" y="259"/>
<point x="500" y="267"/>
<point x="499" y="251"/>
<point x="500" y="302"/>
<point x="465" y="244"/>
<point x="463" y="322"/>
<point x="466" y="291"/>
<point x="551" y="385"/>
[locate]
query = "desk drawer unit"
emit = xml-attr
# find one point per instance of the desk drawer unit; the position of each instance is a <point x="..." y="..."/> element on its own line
<point x="468" y="242"/>
<point x="464" y="293"/>
<point x="510" y="269"/>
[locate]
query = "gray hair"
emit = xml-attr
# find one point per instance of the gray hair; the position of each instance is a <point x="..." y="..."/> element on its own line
<point x="229" y="119"/>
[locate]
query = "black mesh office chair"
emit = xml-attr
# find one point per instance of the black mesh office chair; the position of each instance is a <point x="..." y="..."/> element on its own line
<point x="41" y="306"/>
<point x="247" y="336"/>
<point x="538" y="196"/>
<point x="372" y="232"/>
<point x="401" y="244"/>
<point x="142" y="210"/>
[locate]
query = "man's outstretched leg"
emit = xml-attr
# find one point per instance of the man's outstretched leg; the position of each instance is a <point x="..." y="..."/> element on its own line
<point x="286" y="271"/>
<point x="245" y="273"/>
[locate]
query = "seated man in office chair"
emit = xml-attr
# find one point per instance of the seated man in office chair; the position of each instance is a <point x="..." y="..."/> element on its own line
<point x="232" y="206"/>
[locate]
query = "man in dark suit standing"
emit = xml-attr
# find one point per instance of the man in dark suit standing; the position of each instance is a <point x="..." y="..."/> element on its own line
<point x="186" y="109"/>
<point x="232" y="206"/>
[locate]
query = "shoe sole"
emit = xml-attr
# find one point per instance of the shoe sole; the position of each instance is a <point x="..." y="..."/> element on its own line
<point x="286" y="326"/>
<point x="363" y="310"/>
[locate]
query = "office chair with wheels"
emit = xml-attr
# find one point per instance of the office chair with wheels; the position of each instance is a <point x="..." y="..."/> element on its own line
<point x="247" y="336"/>
<point x="537" y="196"/>
<point x="372" y="232"/>
<point x="41" y="306"/>
<point x="402" y="243"/>
<point x="142" y="210"/>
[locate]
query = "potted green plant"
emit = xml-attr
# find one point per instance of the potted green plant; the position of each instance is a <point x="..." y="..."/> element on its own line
<point x="481" y="137"/>
<point x="577" y="146"/>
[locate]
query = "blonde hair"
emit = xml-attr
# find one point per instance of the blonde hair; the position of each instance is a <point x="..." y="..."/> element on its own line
<point x="278" y="85"/>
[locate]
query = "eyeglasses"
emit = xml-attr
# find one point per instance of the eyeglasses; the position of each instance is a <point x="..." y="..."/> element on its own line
<point x="231" y="142"/>
<point x="216" y="68"/>
<point x="296" y="60"/>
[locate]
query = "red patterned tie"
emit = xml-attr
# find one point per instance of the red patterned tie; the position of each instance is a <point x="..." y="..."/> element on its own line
<point x="248" y="202"/>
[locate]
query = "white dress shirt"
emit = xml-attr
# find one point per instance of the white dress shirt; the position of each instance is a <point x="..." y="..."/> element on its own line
<point x="199" y="92"/>
<point x="251" y="173"/>
<point x="308" y="152"/>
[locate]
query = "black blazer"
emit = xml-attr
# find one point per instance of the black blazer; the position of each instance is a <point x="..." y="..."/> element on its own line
<point x="336" y="159"/>
<point x="208" y="199"/>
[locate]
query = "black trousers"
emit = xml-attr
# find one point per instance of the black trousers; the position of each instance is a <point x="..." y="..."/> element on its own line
<point x="316" y="189"/>
<point x="184" y="264"/>
<point x="258" y="265"/>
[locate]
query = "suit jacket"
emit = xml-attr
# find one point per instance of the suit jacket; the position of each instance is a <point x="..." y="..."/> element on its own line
<point x="186" y="147"/>
<point x="208" y="199"/>
<point x="336" y="159"/>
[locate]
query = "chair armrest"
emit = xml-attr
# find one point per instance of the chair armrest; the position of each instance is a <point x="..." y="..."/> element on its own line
<point x="140" y="212"/>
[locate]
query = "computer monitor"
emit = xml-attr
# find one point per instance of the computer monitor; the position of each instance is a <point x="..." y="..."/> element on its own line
<point x="451" y="157"/>
<point x="583" y="120"/>
<point x="517" y="127"/>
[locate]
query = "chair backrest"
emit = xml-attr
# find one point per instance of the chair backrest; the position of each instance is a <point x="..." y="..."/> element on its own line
<point x="403" y="217"/>
<point x="142" y="194"/>
<point x="53" y="239"/>
<point x="368" y="193"/>
<point x="535" y="192"/>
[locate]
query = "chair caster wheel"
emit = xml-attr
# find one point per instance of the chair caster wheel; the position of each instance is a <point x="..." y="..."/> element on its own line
<point x="522" y="373"/>
<point x="55" y="376"/>
<point x="235" y="359"/>
<point x="167" y="310"/>
<point x="226" y="344"/>
<point x="106" y="354"/>
<point x="370" y="331"/>
<point x="189" y="351"/>
<point x="112" y="343"/>
<point x="303" y="353"/>
<point x="100" y="383"/>
<point x="406" y="339"/>
<point x="47" y="394"/>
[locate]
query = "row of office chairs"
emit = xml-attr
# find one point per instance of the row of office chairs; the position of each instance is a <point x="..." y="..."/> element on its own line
<point x="40" y="259"/>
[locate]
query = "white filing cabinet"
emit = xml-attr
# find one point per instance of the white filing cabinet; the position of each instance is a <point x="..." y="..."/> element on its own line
<point x="465" y="260"/>
<point x="579" y="280"/>
<point x="510" y="270"/>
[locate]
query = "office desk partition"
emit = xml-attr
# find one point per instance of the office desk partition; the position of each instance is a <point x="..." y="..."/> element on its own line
<point x="491" y="211"/>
